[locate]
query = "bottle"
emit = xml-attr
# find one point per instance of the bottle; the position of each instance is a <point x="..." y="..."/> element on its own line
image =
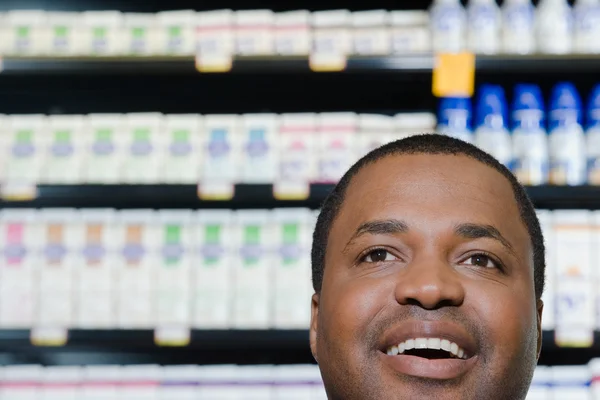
<point x="518" y="27"/>
<point x="567" y="140"/>
<point x="587" y="27"/>
<point x="530" y="142"/>
<point x="554" y="27"/>
<point x="491" y="132"/>
<point x="455" y="118"/>
<point x="593" y="137"/>
<point x="483" y="35"/>
<point x="448" y="26"/>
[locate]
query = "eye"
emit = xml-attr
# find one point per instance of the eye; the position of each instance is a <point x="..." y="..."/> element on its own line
<point x="378" y="255"/>
<point x="481" y="260"/>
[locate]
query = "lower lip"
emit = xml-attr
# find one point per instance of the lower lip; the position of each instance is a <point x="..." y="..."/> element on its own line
<point x="420" y="367"/>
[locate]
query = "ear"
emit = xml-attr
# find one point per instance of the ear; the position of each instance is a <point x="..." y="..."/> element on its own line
<point x="314" y="316"/>
<point x="540" y="308"/>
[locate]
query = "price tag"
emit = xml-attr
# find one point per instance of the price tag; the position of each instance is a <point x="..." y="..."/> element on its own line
<point x="574" y="337"/>
<point x="454" y="75"/>
<point x="18" y="191"/>
<point x="172" y="336"/>
<point x="327" y="62"/>
<point x="214" y="63"/>
<point x="291" y="190"/>
<point x="49" y="337"/>
<point x="216" y="191"/>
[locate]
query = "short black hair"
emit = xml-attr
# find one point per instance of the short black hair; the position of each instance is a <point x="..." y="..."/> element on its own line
<point x="426" y="144"/>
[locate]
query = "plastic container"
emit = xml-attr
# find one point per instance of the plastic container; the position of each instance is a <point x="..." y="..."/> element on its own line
<point x="491" y="125"/>
<point x="293" y="36"/>
<point x="554" y="27"/>
<point x="22" y="32"/>
<point x="587" y="27"/>
<point x="144" y="134"/>
<point x="335" y="145"/>
<point x="101" y="33"/>
<point x="27" y="140"/>
<point x="331" y="32"/>
<point x="518" y="27"/>
<point x="484" y="26"/>
<point x="593" y="137"/>
<point x="410" y="31"/>
<point x="181" y="159"/>
<point x="448" y="26"/>
<point x="215" y="34"/>
<point x="60" y="33"/>
<point x="140" y="36"/>
<point x="454" y="118"/>
<point x="254" y="32"/>
<point x="567" y="139"/>
<point x="65" y="150"/>
<point x="221" y="148"/>
<point x="371" y="32"/>
<point x="374" y="131"/>
<point x="530" y="141"/>
<point x="105" y="144"/>
<point x="175" y="32"/>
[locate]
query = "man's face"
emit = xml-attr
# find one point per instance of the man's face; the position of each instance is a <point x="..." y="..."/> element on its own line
<point x="428" y="258"/>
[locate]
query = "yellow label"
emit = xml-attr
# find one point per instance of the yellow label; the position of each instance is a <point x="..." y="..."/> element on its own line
<point x="172" y="337"/>
<point x="328" y="62"/>
<point x="216" y="191"/>
<point x="18" y="191"/>
<point x="454" y="75"/>
<point x="288" y="191"/>
<point x="214" y="63"/>
<point x="49" y="337"/>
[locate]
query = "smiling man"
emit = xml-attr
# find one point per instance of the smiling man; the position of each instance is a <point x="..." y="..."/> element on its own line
<point x="428" y="268"/>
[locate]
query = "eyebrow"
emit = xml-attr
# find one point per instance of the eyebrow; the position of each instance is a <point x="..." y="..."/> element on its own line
<point x="380" y="227"/>
<point x="477" y="231"/>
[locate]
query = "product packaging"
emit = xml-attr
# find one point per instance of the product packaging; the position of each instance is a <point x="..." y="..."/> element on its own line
<point x="65" y="150"/>
<point x="27" y="138"/>
<point x="140" y="35"/>
<point x="175" y="32"/>
<point x="105" y="144"/>
<point x="371" y="32"/>
<point x="454" y="118"/>
<point x="410" y="32"/>
<point x="144" y="134"/>
<point x="336" y="145"/>
<point x="518" y="27"/>
<point x="374" y="131"/>
<point x="260" y="152"/>
<point x="293" y="36"/>
<point x="448" y="26"/>
<point x="101" y="33"/>
<point x="254" y="32"/>
<point x="181" y="150"/>
<point x="491" y="121"/>
<point x="22" y="32"/>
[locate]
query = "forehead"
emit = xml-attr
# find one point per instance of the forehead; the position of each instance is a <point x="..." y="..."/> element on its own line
<point x="428" y="190"/>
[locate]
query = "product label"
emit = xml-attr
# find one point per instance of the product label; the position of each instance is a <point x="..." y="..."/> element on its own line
<point x="180" y="145"/>
<point x="212" y="251"/>
<point x="497" y="143"/>
<point x="61" y="38"/>
<point x="251" y="250"/>
<point x="175" y="38"/>
<point x="518" y="31"/>
<point x="483" y="28"/>
<point x="448" y="28"/>
<point x="290" y="250"/>
<point x="103" y="145"/>
<point x="55" y="250"/>
<point x="99" y="39"/>
<point x="15" y="250"/>
<point x="295" y="166"/>
<point x="141" y="142"/>
<point x="530" y="148"/>
<point x="23" y="146"/>
<point x="593" y="151"/>
<point x="335" y="159"/>
<point x="567" y="156"/>
<point x="257" y="145"/>
<point x="22" y="38"/>
<point x="62" y="146"/>
<point x="218" y="146"/>
<point x="134" y="251"/>
<point x="173" y="250"/>
<point x="138" y="40"/>
<point x="94" y="251"/>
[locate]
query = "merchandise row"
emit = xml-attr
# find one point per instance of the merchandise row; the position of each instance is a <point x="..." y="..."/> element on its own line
<point x="143" y="268"/>
<point x="558" y="144"/>
<point x="482" y="28"/>
<point x="566" y="382"/>
<point x="157" y="148"/>
<point x="154" y="382"/>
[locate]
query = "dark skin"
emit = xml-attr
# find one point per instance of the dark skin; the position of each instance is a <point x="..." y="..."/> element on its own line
<point x="427" y="243"/>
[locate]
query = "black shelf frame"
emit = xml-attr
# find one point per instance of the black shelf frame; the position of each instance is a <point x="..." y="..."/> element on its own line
<point x="245" y="347"/>
<point x="247" y="197"/>
<point x="417" y="63"/>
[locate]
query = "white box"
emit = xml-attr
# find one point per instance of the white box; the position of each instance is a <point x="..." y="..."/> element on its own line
<point x="549" y="295"/>
<point x="27" y="141"/>
<point x="22" y="382"/>
<point x="295" y="382"/>
<point x="540" y="385"/>
<point x="19" y="274"/>
<point x="65" y="150"/>
<point x="293" y="36"/>
<point x="219" y="382"/>
<point x="140" y="34"/>
<point x="215" y="34"/>
<point x="254" y="382"/>
<point x="336" y="145"/>
<point x="105" y="142"/>
<point x="253" y="275"/>
<point x="144" y="135"/>
<point x="571" y="382"/>
<point x="137" y="267"/>
<point x="371" y="32"/>
<point x="101" y="382"/>
<point x="60" y="383"/>
<point x="101" y="33"/>
<point x="213" y="279"/>
<point x="254" y="32"/>
<point x="292" y="289"/>
<point x="21" y="32"/>
<point x="96" y="272"/>
<point x="140" y="382"/>
<point x="374" y="131"/>
<point x="298" y="141"/>
<point x="176" y="32"/>
<point x="410" y="124"/>
<point x="180" y="382"/>
<point x="181" y="159"/>
<point x="260" y="154"/>
<point x="60" y="240"/>
<point x="221" y="148"/>
<point x="173" y="289"/>
<point x="410" y="32"/>
<point x="331" y="32"/>
<point x="59" y="33"/>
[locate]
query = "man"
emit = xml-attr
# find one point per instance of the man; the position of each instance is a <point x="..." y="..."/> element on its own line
<point x="428" y="269"/>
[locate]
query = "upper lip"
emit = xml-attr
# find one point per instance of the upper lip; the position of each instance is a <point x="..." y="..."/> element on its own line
<point x="429" y="329"/>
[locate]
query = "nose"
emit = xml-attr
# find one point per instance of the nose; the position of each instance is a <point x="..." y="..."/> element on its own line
<point x="431" y="283"/>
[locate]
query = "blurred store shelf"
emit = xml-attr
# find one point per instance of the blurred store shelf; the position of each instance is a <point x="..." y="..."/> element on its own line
<point x="246" y="196"/>
<point x="395" y="63"/>
<point x="206" y="347"/>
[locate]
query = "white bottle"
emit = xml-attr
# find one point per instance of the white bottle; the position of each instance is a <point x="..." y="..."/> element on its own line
<point x="518" y="27"/>
<point x="483" y="34"/>
<point x="554" y="27"/>
<point x="491" y="134"/>
<point x="448" y="25"/>
<point x="593" y="137"/>
<point x="587" y="27"/>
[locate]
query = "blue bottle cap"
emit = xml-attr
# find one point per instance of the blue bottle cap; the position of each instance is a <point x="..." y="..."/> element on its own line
<point x="491" y="107"/>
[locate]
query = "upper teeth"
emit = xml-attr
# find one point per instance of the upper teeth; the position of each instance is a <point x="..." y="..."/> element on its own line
<point x="428" y="343"/>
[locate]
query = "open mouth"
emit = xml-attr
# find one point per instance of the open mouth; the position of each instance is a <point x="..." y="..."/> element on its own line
<point x="428" y="348"/>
